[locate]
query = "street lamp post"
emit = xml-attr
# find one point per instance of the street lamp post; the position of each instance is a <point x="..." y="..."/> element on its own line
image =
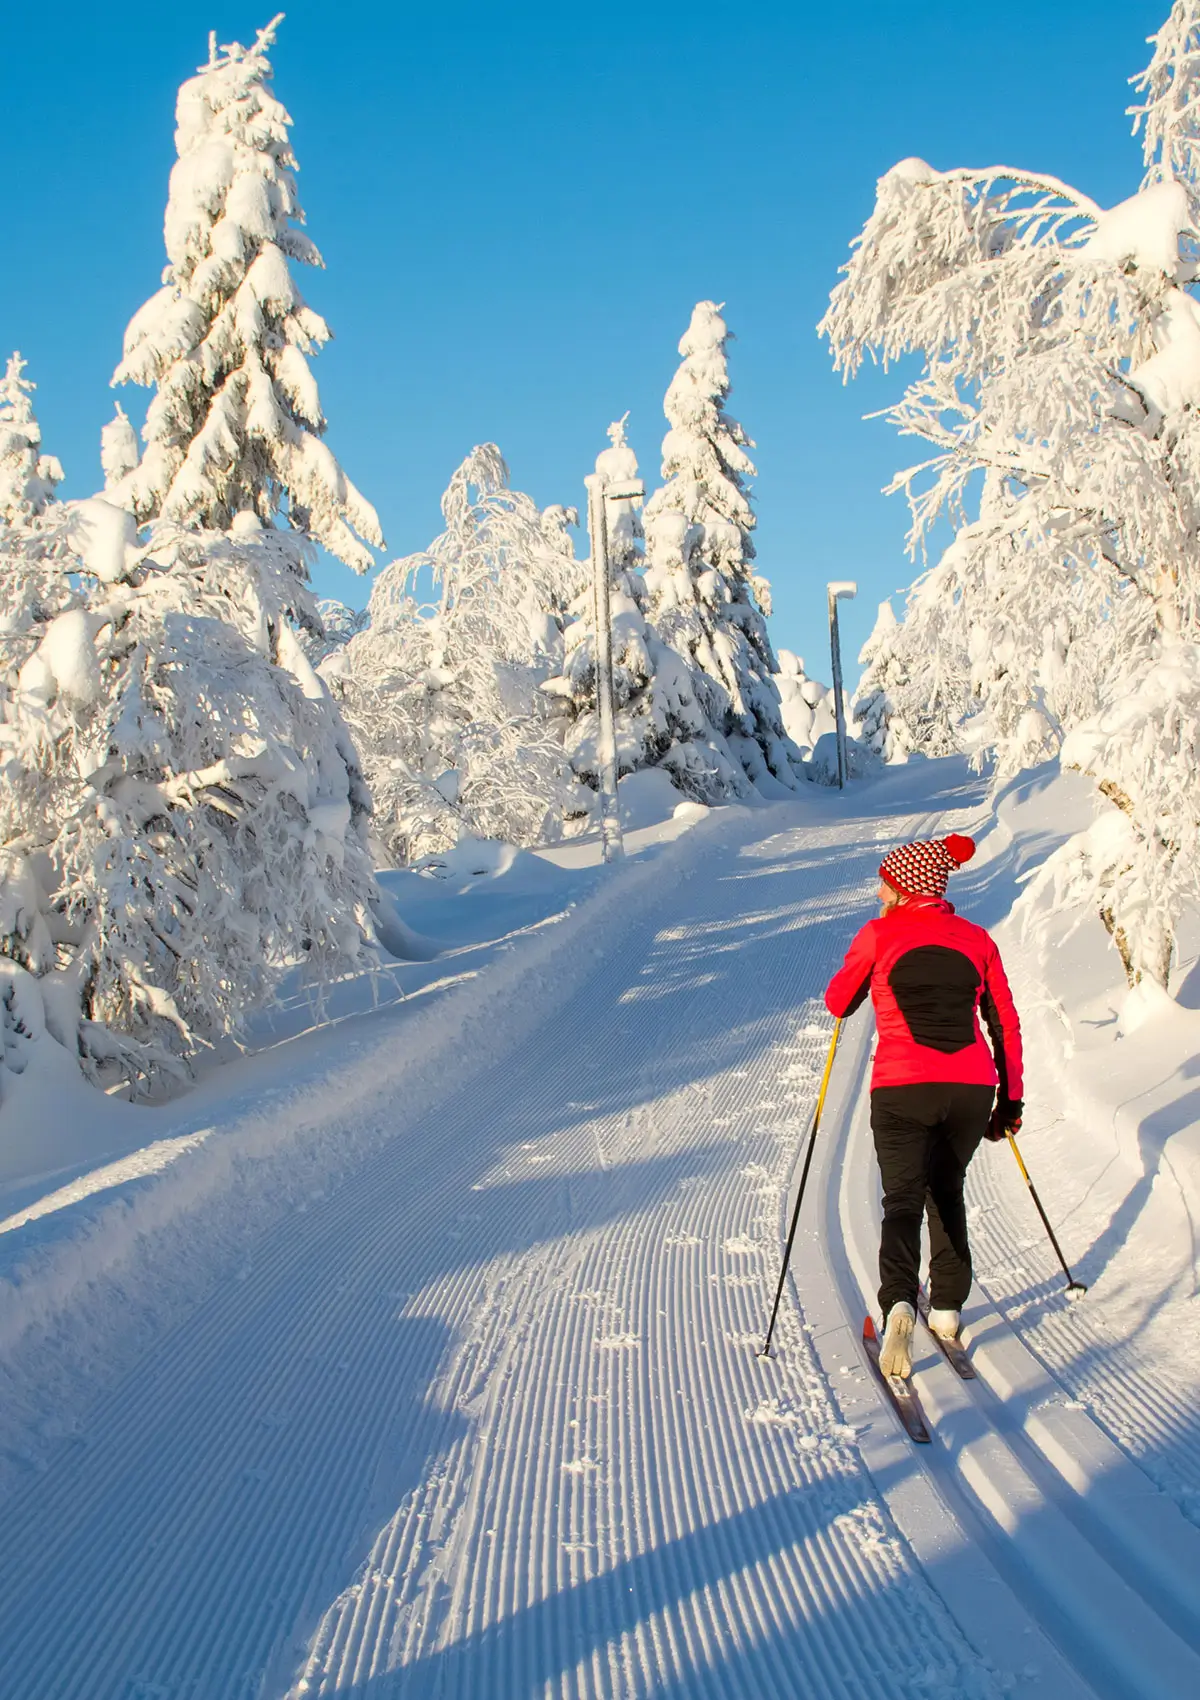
<point x="600" y="493"/>
<point x="839" y="588"/>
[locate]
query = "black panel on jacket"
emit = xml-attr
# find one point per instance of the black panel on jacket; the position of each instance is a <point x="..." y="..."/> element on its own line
<point x="935" y="988"/>
<point x="991" y="1016"/>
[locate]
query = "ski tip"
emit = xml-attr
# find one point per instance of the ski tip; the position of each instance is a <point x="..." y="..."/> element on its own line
<point x="869" y="1328"/>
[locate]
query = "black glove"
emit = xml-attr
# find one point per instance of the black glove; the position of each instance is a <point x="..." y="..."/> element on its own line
<point x="1006" y="1118"/>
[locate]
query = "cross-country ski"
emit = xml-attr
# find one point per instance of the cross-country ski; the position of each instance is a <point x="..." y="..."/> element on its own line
<point x="951" y="1346"/>
<point x="897" y="1387"/>
<point x="600" y="874"/>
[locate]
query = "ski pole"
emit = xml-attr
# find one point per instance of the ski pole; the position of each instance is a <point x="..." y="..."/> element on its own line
<point x="1075" y="1289"/>
<point x="808" y="1157"/>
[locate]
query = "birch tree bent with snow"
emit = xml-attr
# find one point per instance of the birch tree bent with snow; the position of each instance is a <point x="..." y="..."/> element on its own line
<point x="1057" y="396"/>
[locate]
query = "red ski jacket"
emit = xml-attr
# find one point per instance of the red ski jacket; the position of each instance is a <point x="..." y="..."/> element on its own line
<point x="931" y="974"/>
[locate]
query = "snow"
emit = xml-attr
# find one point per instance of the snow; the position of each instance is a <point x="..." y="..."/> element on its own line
<point x="1170" y="379"/>
<point x="1144" y="230"/>
<point x="413" y="1346"/>
<point x="65" y="662"/>
<point x="105" y="537"/>
<point x="434" y="1328"/>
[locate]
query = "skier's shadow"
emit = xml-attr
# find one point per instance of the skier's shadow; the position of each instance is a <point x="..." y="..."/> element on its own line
<point x="1153" y="1132"/>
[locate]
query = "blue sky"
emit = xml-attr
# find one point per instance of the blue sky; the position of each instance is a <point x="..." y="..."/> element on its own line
<point x="519" y="205"/>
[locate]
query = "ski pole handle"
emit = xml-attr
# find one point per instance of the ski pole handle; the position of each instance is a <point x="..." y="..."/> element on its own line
<point x="1016" y="1151"/>
<point x="833" y="1045"/>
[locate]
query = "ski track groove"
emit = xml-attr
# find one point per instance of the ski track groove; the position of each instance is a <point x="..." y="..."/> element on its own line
<point x="1153" y="1422"/>
<point x="361" y="1330"/>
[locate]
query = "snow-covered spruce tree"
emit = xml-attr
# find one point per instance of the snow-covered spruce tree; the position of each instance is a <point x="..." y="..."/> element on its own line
<point x="199" y="814"/>
<point x="235" y="424"/>
<point x="443" y="694"/>
<point x="705" y="601"/>
<point x="910" y="700"/>
<point x="37" y="597"/>
<point x="33" y="544"/>
<point x="1061" y="379"/>
<point x="658" y="719"/>
<point x="27" y="476"/>
<point x="118" y="449"/>
<point x="207" y="832"/>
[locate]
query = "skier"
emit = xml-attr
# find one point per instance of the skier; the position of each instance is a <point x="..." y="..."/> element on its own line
<point x="930" y="974"/>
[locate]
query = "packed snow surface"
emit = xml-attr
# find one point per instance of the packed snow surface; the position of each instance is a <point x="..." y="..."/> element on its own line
<point x="417" y="1355"/>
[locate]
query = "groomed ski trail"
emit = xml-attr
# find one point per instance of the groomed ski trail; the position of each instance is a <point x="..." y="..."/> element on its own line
<point x="487" y="1420"/>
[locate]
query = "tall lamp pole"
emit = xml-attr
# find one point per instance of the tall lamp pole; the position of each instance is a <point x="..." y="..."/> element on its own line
<point x="839" y="588"/>
<point x="600" y="493"/>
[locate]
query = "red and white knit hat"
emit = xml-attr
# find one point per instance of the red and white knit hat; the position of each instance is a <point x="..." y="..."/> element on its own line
<point x="921" y="869"/>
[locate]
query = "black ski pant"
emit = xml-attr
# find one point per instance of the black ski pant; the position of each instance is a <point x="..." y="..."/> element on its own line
<point x="925" y="1136"/>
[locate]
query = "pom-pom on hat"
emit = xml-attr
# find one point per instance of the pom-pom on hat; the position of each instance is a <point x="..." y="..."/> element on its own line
<point x="922" y="869"/>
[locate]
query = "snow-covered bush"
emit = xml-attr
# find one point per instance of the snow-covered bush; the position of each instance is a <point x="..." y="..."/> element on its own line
<point x="705" y="600"/>
<point x="441" y="687"/>
<point x="1058" y="397"/>
<point x="187" y="795"/>
<point x="807" y="705"/>
<point x="1144" y="748"/>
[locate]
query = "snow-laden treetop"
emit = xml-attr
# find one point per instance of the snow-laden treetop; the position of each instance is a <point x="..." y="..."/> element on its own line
<point x="1169" y="115"/>
<point x="27" y="477"/>
<point x="236" y="423"/>
<point x="704" y="457"/>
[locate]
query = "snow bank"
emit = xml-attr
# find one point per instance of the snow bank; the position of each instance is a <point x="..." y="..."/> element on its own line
<point x="116" y="1271"/>
<point x="648" y="798"/>
<point x="1113" y="1069"/>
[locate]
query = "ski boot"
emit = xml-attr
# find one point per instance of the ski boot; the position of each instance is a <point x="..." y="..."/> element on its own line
<point x="944" y="1323"/>
<point x="895" y="1351"/>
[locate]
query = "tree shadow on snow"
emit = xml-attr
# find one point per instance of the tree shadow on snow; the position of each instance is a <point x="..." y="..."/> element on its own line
<point x="685" y="1618"/>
